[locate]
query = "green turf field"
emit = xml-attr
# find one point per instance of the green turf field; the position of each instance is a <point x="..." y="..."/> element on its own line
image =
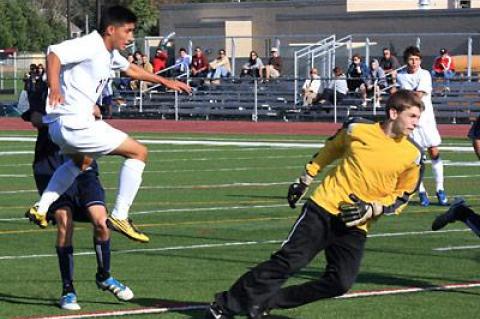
<point x="212" y="211"/>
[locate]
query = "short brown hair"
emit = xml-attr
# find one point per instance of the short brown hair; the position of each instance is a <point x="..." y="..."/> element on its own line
<point x="411" y="51"/>
<point x="402" y="100"/>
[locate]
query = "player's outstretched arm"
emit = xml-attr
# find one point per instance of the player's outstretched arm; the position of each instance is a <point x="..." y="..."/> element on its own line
<point x="137" y="73"/>
<point x="55" y="96"/>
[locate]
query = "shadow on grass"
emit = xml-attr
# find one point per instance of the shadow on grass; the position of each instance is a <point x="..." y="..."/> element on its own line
<point x="195" y="310"/>
<point x="33" y="300"/>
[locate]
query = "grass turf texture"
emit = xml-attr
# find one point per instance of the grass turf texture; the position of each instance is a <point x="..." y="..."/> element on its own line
<point x="213" y="195"/>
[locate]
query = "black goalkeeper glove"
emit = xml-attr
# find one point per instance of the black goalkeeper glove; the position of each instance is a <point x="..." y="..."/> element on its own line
<point x="296" y="191"/>
<point x="359" y="211"/>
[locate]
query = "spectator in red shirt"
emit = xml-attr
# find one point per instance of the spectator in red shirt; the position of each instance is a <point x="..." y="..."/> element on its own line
<point x="199" y="64"/>
<point x="159" y="61"/>
<point x="444" y="66"/>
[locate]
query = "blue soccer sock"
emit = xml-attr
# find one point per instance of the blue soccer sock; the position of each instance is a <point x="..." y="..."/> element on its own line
<point x="102" y="250"/>
<point x="65" y="261"/>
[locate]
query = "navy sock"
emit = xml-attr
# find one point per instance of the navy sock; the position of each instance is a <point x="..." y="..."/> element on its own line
<point x="102" y="250"/>
<point x="65" y="261"/>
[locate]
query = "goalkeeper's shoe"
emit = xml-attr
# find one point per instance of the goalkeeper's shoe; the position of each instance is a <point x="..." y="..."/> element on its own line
<point x="69" y="302"/>
<point x="120" y="291"/>
<point x="37" y="217"/>
<point x="454" y="213"/>
<point x="126" y="227"/>
<point x="214" y="312"/>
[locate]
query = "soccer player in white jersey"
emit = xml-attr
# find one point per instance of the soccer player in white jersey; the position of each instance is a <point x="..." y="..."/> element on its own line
<point x="426" y="134"/>
<point x="77" y="71"/>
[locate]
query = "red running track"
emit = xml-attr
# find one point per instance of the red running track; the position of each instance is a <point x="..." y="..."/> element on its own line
<point x="228" y="127"/>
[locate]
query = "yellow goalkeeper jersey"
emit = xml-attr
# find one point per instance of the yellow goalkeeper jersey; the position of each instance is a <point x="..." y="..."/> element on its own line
<point x="372" y="165"/>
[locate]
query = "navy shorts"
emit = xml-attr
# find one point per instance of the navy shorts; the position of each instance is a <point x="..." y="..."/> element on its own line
<point x="84" y="192"/>
<point x="474" y="133"/>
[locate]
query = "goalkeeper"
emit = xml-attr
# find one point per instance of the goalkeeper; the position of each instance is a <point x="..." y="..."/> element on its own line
<point x="378" y="169"/>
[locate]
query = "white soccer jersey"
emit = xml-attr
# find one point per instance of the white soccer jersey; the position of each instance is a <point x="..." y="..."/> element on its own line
<point x="426" y="134"/>
<point x="86" y="68"/>
<point x="420" y="81"/>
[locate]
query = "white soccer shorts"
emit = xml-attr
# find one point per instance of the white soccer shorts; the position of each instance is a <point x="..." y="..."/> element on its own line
<point x="98" y="139"/>
<point x="427" y="136"/>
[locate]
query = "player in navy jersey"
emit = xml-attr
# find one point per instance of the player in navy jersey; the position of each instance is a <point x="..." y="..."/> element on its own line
<point x="84" y="200"/>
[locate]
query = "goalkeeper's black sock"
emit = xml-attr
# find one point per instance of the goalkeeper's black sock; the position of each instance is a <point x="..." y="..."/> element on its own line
<point x="65" y="261"/>
<point x="102" y="251"/>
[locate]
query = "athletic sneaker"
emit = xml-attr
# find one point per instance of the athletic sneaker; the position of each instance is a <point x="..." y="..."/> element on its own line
<point x="453" y="214"/>
<point x="424" y="201"/>
<point x="37" y="217"/>
<point x="126" y="227"/>
<point x="120" y="291"/>
<point x="258" y="312"/>
<point x="442" y="198"/>
<point x="69" y="302"/>
<point x="214" y="312"/>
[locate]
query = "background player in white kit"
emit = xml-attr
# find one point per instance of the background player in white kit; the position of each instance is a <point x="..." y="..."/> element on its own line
<point x="426" y="134"/>
<point x="77" y="71"/>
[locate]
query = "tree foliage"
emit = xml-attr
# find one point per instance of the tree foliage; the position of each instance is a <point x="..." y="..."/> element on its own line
<point x="27" y="27"/>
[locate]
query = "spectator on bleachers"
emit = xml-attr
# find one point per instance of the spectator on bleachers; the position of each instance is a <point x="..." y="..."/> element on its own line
<point x="183" y="62"/>
<point x="147" y="66"/>
<point x="444" y="67"/>
<point x="273" y="69"/>
<point x="338" y="84"/>
<point x="374" y="82"/>
<point x="137" y="58"/>
<point x="311" y="88"/>
<point x="124" y="82"/>
<point x="356" y="73"/>
<point x="199" y="64"/>
<point x="159" y="61"/>
<point x="219" y="68"/>
<point x="389" y="63"/>
<point x="253" y="66"/>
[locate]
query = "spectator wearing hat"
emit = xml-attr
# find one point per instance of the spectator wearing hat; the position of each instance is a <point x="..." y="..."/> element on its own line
<point x="273" y="69"/>
<point x="444" y="67"/>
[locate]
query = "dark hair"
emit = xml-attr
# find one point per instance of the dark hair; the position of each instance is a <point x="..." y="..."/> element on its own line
<point x="411" y="51"/>
<point x="116" y="16"/>
<point x="402" y="100"/>
<point x="182" y="49"/>
<point x="337" y="71"/>
<point x="356" y="55"/>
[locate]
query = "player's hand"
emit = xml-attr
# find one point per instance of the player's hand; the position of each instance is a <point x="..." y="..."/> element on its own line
<point x="55" y="97"/>
<point x="359" y="212"/>
<point x="296" y="191"/>
<point x="178" y="86"/>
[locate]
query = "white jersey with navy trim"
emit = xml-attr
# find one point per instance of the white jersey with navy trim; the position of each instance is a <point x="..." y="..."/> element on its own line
<point x="86" y="68"/>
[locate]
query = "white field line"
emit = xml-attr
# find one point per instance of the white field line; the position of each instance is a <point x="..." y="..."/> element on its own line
<point x="449" y="248"/>
<point x="227" y="244"/>
<point x="233" y="143"/>
<point x="182" y="210"/>
<point x="353" y="294"/>
<point x="211" y="186"/>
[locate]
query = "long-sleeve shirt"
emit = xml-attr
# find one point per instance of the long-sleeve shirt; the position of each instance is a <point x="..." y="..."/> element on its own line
<point x="372" y="165"/>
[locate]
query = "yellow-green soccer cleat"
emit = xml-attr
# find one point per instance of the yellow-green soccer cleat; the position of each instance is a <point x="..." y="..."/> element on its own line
<point x="126" y="227"/>
<point x="37" y="217"/>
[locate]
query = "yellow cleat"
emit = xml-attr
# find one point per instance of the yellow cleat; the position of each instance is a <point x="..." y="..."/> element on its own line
<point x="37" y="217"/>
<point x="126" y="227"/>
